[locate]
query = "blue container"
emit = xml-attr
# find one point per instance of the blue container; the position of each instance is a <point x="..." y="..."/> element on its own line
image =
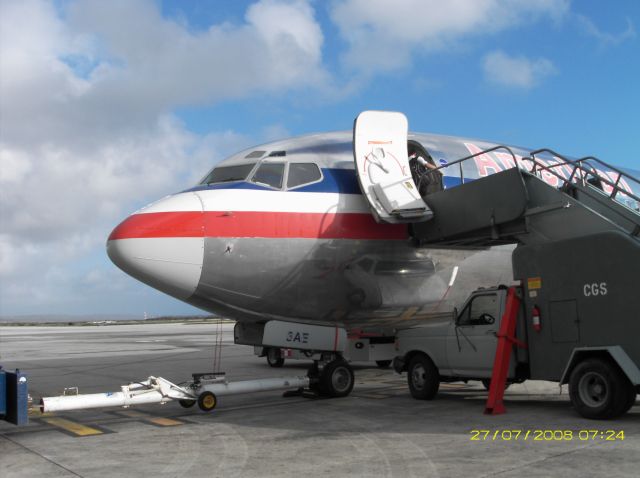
<point x="17" y="398"/>
<point x="3" y="394"/>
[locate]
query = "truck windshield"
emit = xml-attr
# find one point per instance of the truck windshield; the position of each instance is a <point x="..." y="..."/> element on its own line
<point x="224" y="174"/>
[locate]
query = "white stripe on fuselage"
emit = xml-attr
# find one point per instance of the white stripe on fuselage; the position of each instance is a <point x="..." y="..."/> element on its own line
<point x="261" y="201"/>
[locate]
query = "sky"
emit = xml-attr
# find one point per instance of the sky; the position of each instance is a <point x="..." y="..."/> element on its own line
<point x="107" y="106"/>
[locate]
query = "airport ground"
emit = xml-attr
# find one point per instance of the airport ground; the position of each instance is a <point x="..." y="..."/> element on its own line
<point x="379" y="430"/>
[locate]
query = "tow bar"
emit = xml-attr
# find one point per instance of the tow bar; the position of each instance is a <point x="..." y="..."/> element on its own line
<point x="203" y="389"/>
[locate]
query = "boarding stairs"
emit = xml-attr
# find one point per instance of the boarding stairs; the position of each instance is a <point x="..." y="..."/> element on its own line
<point x="535" y="202"/>
<point x="574" y="224"/>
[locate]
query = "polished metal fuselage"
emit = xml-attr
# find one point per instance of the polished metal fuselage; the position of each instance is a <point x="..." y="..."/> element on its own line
<point x="353" y="282"/>
<point x="279" y="270"/>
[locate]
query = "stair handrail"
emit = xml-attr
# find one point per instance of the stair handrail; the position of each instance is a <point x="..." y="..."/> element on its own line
<point x="581" y="166"/>
<point x="578" y="165"/>
<point x="466" y="158"/>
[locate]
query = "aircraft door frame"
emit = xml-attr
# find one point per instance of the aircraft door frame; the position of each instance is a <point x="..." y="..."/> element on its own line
<point x="382" y="167"/>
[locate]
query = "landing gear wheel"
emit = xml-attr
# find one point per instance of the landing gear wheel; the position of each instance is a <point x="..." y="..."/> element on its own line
<point x="423" y="378"/>
<point x="336" y="379"/>
<point x="185" y="403"/>
<point x="486" y="383"/>
<point x="274" y="357"/>
<point x="207" y="401"/>
<point x="599" y="390"/>
<point x="383" y="363"/>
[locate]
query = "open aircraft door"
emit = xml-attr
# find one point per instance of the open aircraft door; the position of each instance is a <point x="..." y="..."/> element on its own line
<point x="382" y="165"/>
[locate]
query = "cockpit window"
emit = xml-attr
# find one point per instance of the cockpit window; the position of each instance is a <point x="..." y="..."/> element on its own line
<point x="226" y="174"/>
<point x="302" y="173"/>
<point x="270" y="174"/>
<point x="255" y="154"/>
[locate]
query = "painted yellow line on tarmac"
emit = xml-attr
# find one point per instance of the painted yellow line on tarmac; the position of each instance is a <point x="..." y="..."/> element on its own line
<point x="160" y="421"/>
<point x="72" y="427"/>
<point x="165" y="422"/>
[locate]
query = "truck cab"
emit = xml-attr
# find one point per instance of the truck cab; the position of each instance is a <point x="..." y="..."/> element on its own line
<point x="459" y="347"/>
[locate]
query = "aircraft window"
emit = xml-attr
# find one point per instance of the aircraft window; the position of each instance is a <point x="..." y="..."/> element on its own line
<point x="269" y="174"/>
<point x="255" y="154"/>
<point x="477" y="311"/>
<point x="274" y="154"/>
<point x="302" y="173"/>
<point x="225" y="174"/>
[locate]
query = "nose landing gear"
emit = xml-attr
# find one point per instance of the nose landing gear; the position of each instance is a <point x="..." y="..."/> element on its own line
<point x="332" y="376"/>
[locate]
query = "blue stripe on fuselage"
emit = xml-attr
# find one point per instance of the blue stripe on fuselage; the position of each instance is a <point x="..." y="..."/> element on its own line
<point x="344" y="181"/>
<point x="334" y="180"/>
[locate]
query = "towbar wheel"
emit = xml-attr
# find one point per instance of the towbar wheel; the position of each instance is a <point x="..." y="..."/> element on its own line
<point x="207" y="401"/>
<point x="184" y="403"/>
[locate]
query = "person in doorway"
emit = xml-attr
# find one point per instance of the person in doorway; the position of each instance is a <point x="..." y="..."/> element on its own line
<point x="425" y="174"/>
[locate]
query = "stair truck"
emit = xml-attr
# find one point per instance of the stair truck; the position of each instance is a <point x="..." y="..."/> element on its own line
<point x="575" y="317"/>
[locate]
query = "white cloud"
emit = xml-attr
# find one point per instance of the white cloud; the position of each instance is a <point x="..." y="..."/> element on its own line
<point x="383" y="35"/>
<point x="162" y="63"/>
<point x="606" y="39"/>
<point x="516" y="71"/>
<point x="86" y="130"/>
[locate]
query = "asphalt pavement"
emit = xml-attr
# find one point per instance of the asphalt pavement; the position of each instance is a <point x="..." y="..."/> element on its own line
<point x="379" y="430"/>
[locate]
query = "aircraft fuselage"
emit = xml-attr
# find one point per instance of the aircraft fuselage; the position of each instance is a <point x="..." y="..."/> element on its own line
<point x="270" y="246"/>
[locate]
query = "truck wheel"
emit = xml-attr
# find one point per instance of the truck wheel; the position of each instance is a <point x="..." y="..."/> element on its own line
<point x="599" y="390"/>
<point x="423" y="378"/>
<point x="383" y="363"/>
<point x="336" y="379"/>
<point x="274" y="357"/>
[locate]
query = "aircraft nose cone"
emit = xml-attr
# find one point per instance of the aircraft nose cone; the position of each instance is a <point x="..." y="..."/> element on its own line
<point x="162" y="245"/>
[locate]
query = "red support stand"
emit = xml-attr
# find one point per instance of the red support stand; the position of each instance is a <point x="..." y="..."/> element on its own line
<point x="506" y="339"/>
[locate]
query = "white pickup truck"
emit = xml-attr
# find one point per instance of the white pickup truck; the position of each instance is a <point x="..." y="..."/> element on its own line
<point x="456" y="347"/>
<point x="603" y="379"/>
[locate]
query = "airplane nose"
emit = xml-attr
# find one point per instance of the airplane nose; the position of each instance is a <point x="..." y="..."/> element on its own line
<point x="162" y="245"/>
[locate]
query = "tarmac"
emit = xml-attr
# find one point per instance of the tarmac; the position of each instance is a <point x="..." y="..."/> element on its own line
<point x="379" y="430"/>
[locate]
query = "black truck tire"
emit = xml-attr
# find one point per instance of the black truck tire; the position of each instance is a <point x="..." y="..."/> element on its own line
<point x="599" y="390"/>
<point x="423" y="378"/>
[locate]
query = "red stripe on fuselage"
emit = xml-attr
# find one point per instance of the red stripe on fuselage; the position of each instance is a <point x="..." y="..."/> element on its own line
<point x="256" y="224"/>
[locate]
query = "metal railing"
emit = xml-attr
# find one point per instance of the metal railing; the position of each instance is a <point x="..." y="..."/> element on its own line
<point x="584" y="168"/>
<point x="580" y="171"/>
<point x="471" y="156"/>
